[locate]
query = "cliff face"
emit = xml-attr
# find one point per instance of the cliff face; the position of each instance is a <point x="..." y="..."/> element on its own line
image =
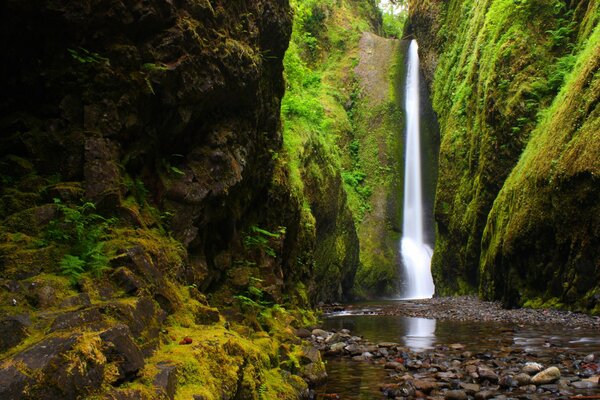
<point x="137" y="144"/>
<point x="514" y="209"/>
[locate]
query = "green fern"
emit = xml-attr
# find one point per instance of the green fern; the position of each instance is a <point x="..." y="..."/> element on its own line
<point x="72" y="267"/>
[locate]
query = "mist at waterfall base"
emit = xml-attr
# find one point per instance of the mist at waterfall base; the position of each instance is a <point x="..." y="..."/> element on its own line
<point x="416" y="253"/>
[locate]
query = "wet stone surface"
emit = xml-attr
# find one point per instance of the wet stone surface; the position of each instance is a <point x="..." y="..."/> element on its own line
<point x="462" y="370"/>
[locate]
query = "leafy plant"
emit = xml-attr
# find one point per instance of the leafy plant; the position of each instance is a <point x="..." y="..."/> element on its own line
<point x="84" y="232"/>
<point x="87" y="57"/>
<point x="261" y="238"/>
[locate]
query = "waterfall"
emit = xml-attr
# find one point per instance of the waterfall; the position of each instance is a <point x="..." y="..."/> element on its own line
<point x="416" y="254"/>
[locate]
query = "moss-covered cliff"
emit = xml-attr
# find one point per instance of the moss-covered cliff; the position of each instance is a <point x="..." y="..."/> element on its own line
<point x="514" y="88"/>
<point x="151" y="244"/>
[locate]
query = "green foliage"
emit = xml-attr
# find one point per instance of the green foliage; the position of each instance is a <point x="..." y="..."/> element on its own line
<point x="87" y="57"/>
<point x="260" y="239"/>
<point x="84" y="233"/>
<point x="393" y="16"/>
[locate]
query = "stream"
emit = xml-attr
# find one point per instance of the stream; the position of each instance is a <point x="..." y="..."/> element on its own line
<point x="351" y="379"/>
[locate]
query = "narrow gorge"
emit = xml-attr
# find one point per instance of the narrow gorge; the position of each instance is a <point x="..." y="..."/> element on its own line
<point x="210" y="199"/>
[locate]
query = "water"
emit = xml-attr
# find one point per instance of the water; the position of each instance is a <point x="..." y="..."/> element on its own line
<point x="361" y="380"/>
<point x="416" y="254"/>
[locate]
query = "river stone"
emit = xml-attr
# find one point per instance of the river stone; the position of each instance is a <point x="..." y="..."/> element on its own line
<point x="383" y="352"/>
<point x="523" y="379"/>
<point x="548" y="375"/>
<point x="455" y="395"/>
<point x="336" y="338"/>
<point x="589" y="358"/>
<point x="457" y="346"/>
<point x="487" y="374"/>
<point x="425" y="386"/>
<point x="302" y="333"/>
<point x="470" y="388"/>
<point x="387" y="344"/>
<point x="320" y="333"/>
<point x="584" y="385"/>
<point x="394" y="365"/>
<point x="309" y="355"/>
<point x="532" y="368"/>
<point x="484" y="395"/>
<point x="507" y="381"/>
<point x="337" y="347"/>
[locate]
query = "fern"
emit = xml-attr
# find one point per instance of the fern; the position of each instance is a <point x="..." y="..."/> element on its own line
<point x="72" y="267"/>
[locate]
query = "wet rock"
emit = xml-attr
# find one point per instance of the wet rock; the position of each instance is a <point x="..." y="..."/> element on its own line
<point x="13" y="330"/>
<point x="320" y="333"/>
<point x="532" y="368"/>
<point x="470" y="388"/>
<point x="302" y="333"/>
<point x="337" y="348"/>
<point x="309" y="355"/>
<point x="396" y="390"/>
<point x="548" y="375"/>
<point x="486" y="374"/>
<point x="455" y="395"/>
<point x="507" y="381"/>
<point x="337" y="338"/>
<point x="523" y="379"/>
<point x="75" y="319"/>
<point x="314" y="374"/>
<point x="425" y="386"/>
<point x="484" y="395"/>
<point x="589" y="358"/>
<point x="79" y="300"/>
<point x="456" y="346"/>
<point x="549" y="388"/>
<point x="165" y="380"/>
<point x="127" y="280"/>
<point x="584" y="385"/>
<point x="12" y="383"/>
<point x="354" y="349"/>
<point x="394" y="365"/>
<point x="530" y="388"/>
<point x="120" y="348"/>
<point x="387" y="344"/>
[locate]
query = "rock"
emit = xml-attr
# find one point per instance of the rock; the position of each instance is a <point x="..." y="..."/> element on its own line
<point x="394" y="365"/>
<point x="46" y="352"/>
<point x="387" y="344"/>
<point x="12" y="383"/>
<point x="79" y="300"/>
<point x="127" y="280"/>
<point x="76" y="319"/>
<point x="13" y="330"/>
<point x="337" y="348"/>
<point x="457" y="346"/>
<point x="314" y="374"/>
<point x="204" y="315"/>
<point x="354" y="349"/>
<point x="309" y="355"/>
<point x="548" y="375"/>
<point x="549" y="388"/>
<point x="120" y="348"/>
<point x="302" y="333"/>
<point x="523" y="379"/>
<point x="484" y="395"/>
<point x="532" y="368"/>
<point x="507" y="381"/>
<point x="320" y="333"/>
<point x="584" y="385"/>
<point x="470" y="388"/>
<point x="165" y="380"/>
<point x="455" y="395"/>
<point x="589" y="358"/>
<point x="487" y="374"/>
<point x="425" y="386"/>
<point x="337" y="338"/>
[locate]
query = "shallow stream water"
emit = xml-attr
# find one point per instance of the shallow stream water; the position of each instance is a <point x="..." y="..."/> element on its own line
<point x="360" y="380"/>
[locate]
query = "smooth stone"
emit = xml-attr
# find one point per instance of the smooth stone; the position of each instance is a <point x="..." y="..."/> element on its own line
<point x="425" y="386"/>
<point x="484" y="395"/>
<point x="523" y="379"/>
<point x="337" y="347"/>
<point x="487" y="374"/>
<point x="507" y="381"/>
<point x="584" y="385"/>
<point x="457" y="346"/>
<point x="455" y="395"/>
<point x="549" y="388"/>
<point x="532" y="368"/>
<point x="589" y="358"/>
<point x="470" y="388"/>
<point x="320" y="333"/>
<point x="548" y="375"/>
<point x="387" y="344"/>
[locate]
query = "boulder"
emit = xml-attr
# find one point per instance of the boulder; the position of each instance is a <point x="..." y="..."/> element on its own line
<point x="165" y="380"/>
<point x="13" y="330"/>
<point x="118" y="347"/>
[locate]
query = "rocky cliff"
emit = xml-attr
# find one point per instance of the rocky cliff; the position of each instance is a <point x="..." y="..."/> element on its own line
<point x="514" y="86"/>
<point x="140" y="188"/>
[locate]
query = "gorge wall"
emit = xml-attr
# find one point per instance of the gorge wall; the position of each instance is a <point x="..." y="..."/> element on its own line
<point x="148" y="204"/>
<point x="515" y="87"/>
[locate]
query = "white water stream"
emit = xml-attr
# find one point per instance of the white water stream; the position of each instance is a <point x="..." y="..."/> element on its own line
<point x="416" y="254"/>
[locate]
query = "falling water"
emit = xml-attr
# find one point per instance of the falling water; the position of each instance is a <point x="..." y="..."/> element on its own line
<point x="416" y="254"/>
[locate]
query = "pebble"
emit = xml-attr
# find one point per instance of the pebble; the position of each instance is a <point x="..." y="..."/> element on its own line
<point x="532" y="368"/>
<point x="548" y="375"/>
<point x="455" y="395"/>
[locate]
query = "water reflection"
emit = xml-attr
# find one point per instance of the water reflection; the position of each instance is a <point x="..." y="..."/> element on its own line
<point x="420" y="333"/>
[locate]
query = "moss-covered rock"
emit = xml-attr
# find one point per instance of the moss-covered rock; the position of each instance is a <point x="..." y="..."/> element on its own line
<point x="499" y="68"/>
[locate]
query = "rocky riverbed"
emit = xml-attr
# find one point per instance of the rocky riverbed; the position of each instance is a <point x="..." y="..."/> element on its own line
<point x="461" y="370"/>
